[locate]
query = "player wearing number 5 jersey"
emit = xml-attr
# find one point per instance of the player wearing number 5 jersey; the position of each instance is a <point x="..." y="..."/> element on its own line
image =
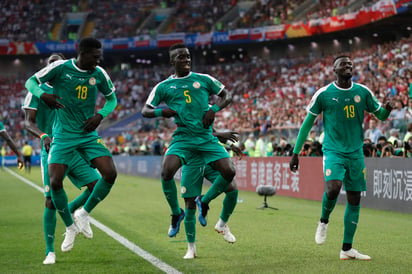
<point x="76" y="83"/>
<point x="186" y="95"/>
<point x="343" y="104"/>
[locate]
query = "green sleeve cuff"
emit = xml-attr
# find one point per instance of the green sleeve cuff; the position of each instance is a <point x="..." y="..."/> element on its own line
<point x="304" y="132"/>
<point x="215" y="108"/>
<point x="382" y="114"/>
<point x="109" y="106"/>
<point x="33" y="87"/>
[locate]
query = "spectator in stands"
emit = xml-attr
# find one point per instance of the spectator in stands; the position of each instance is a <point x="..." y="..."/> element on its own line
<point x="373" y="132"/>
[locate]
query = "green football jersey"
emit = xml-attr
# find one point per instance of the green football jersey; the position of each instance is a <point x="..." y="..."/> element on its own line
<point x="343" y="112"/>
<point x="44" y="116"/>
<point x="189" y="97"/>
<point x="78" y="90"/>
<point x="2" y="127"/>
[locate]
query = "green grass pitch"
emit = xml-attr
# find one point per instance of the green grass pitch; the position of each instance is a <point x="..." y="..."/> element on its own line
<point x="268" y="241"/>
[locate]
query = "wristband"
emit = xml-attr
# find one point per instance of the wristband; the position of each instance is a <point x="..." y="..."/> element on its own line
<point x="158" y="112"/>
<point x="42" y="136"/>
<point x="215" y="108"/>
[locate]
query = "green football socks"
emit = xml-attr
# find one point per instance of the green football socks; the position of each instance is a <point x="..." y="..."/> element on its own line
<point x="49" y="226"/>
<point x="350" y="221"/>
<point x="229" y="204"/>
<point x="79" y="200"/>
<point x="190" y="225"/>
<point x="100" y="191"/>
<point x="219" y="185"/>
<point x="60" y="201"/>
<point x="327" y="206"/>
<point x="170" y="192"/>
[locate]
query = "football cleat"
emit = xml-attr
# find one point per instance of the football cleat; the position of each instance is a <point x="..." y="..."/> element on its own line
<point x="81" y="218"/>
<point x="227" y="235"/>
<point x="353" y="254"/>
<point x="320" y="236"/>
<point x="191" y="252"/>
<point x="203" y="208"/>
<point x="50" y="258"/>
<point x="70" y="236"/>
<point x="175" y="225"/>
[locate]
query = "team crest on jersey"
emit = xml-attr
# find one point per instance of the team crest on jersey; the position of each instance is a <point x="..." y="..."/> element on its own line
<point x="183" y="190"/>
<point x="357" y="98"/>
<point x="92" y="81"/>
<point x="328" y="172"/>
<point x="196" y="84"/>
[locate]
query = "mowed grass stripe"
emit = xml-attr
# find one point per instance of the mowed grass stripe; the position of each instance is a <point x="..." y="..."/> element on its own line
<point x="268" y="241"/>
<point x="119" y="238"/>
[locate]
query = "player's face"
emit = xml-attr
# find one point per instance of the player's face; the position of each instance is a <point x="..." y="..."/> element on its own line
<point x="343" y="68"/>
<point x="90" y="59"/>
<point x="180" y="59"/>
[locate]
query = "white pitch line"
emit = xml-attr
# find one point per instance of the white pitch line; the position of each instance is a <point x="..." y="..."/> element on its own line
<point x="116" y="236"/>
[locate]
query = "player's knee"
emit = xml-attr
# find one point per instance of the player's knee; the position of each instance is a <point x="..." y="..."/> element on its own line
<point x="49" y="203"/>
<point x="110" y="176"/>
<point x="231" y="187"/>
<point x="56" y="184"/>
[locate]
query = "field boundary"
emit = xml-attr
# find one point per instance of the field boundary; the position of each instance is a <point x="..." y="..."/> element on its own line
<point x="116" y="236"/>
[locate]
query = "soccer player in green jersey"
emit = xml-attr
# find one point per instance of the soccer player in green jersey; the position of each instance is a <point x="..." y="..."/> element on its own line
<point x="39" y="120"/>
<point x="343" y="104"/>
<point x="191" y="187"/>
<point x="6" y="137"/>
<point x="186" y="95"/>
<point x="75" y="85"/>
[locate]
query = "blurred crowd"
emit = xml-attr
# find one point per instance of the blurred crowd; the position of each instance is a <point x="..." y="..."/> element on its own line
<point x="124" y="18"/>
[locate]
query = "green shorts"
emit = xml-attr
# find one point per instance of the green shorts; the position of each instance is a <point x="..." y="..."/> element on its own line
<point x="207" y="152"/>
<point x="78" y="170"/>
<point x="90" y="147"/>
<point x="193" y="174"/>
<point x="351" y="172"/>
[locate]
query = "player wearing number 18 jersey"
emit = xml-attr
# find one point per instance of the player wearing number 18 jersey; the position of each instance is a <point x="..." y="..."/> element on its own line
<point x="76" y="83"/>
<point x="343" y="104"/>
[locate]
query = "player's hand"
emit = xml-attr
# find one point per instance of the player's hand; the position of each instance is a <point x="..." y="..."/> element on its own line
<point x="20" y="163"/>
<point x="294" y="163"/>
<point x="46" y="142"/>
<point x="208" y="118"/>
<point x="167" y="112"/>
<point x="223" y="137"/>
<point x="51" y="100"/>
<point x="389" y="105"/>
<point x="92" y="123"/>
<point x="237" y="151"/>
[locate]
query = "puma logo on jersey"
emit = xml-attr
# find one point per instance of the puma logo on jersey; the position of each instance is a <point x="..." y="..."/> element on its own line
<point x="173" y="87"/>
<point x="69" y="76"/>
<point x="335" y="99"/>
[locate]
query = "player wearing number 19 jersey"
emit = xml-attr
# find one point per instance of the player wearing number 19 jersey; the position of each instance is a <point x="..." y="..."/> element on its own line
<point x="76" y="83"/>
<point x="343" y="104"/>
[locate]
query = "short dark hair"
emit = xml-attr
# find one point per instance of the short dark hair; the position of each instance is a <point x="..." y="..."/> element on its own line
<point x="177" y="46"/>
<point x="338" y="57"/>
<point x="58" y="54"/>
<point x="88" y="44"/>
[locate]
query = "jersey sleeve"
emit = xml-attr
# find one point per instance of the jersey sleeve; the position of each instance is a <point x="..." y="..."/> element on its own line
<point x="372" y="103"/>
<point x="155" y="96"/>
<point x="315" y="105"/>
<point x="31" y="102"/>
<point x="215" y="85"/>
<point x="2" y="127"/>
<point x="105" y="85"/>
<point x="50" y="72"/>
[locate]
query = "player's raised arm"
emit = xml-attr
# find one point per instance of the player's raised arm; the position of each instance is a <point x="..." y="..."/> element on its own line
<point x="32" y="85"/>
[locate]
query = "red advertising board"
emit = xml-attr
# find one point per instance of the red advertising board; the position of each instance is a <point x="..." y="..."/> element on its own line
<point x="307" y="183"/>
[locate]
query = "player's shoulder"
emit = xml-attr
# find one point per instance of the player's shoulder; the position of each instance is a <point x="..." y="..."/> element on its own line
<point x="102" y="71"/>
<point x="361" y="86"/>
<point x="323" y="90"/>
